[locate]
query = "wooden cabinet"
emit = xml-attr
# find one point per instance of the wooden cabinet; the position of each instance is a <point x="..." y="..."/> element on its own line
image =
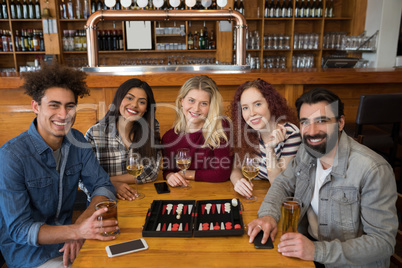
<point x="172" y="48"/>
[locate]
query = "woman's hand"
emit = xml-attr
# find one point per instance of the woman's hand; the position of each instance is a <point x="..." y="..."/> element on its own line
<point x="244" y="187"/>
<point x="124" y="191"/>
<point x="176" y="179"/>
<point x="277" y="136"/>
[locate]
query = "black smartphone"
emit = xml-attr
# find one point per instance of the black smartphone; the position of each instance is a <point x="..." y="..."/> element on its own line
<point x="162" y="187"/>
<point x="257" y="241"/>
<point x="126" y="247"/>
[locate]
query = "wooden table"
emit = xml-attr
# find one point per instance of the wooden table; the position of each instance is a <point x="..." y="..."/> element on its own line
<point x="230" y="251"/>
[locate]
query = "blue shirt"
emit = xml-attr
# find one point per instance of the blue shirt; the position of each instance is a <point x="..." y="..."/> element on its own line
<point x="33" y="192"/>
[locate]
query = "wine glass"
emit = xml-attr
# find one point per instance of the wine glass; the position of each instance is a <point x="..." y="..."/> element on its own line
<point x="135" y="168"/>
<point x="183" y="161"/>
<point x="250" y="170"/>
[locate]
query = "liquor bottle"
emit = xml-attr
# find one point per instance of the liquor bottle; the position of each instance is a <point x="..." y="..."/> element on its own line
<point x="206" y="38"/>
<point x="319" y="9"/>
<point x="1" y="11"/>
<point x="331" y="9"/>
<point x="78" y="9"/>
<point x="297" y="11"/>
<point x="284" y="9"/>
<point x="120" y="37"/>
<point x="109" y="40"/>
<point x="301" y="9"/>
<point x="104" y="6"/>
<point x="41" y="41"/>
<point x="266" y="9"/>
<point x="93" y="6"/>
<point x="25" y="12"/>
<point x="4" y="41"/>
<point x="17" y="41"/>
<point x="85" y="9"/>
<point x="214" y="5"/>
<point x="100" y="44"/>
<point x="118" y="5"/>
<point x="18" y="10"/>
<point x="30" y="40"/>
<point x="35" y="41"/>
<point x="63" y="10"/>
<point x="326" y="9"/>
<point x="13" y="14"/>
<point x="313" y="11"/>
<point x="278" y="12"/>
<point x="65" y="40"/>
<point x="31" y="8"/>
<point x="22" y="40"/>
<point x="307" y="9"/>
<point x="196" y="40"/>
<point x="77" y="41"/>
<point x="201" y="40"/>
<point x="37" y="10"/>
<point x="104" y="40"/>
<point x="241" y="7"/>
<point x="98" y="5"/>
<point x="70" y="9"/>
<point x="190" y="41"/>
<point x="83" y="40"/>
<point x="212" y="42"/>
<point x="10" y="41"/>
<point x="114" y="40"/>
<point x="271" y="9"/>
<point x="4" y="10"/>
<point x="290" y="9"/>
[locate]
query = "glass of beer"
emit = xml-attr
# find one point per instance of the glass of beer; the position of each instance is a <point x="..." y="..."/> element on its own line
<point x="110" y="214"/>
<point x="250" y="170"/>
<point x="183" y="161"/>
<point x="135" y="168"/>
<point x="290" y="214"/>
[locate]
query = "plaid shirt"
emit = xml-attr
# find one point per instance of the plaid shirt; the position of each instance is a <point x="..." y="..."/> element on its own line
<point x="111" y="152"/>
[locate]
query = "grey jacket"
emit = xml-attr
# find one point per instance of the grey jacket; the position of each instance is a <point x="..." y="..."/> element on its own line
<point x="357" y="217"/>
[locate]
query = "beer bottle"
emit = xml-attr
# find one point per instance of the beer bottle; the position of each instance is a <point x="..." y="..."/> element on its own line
<point x="190" y="41"/>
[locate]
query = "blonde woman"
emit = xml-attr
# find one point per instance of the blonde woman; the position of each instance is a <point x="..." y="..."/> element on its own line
<point x="200" y="127"/>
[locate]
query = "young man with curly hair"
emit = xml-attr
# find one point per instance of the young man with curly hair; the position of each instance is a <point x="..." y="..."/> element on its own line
<point x="39" y="174"/>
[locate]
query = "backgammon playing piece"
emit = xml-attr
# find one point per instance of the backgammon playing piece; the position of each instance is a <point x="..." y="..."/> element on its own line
<point x="169" y="208"/>
<point x="181" y="227"/>
<point x="200" y="227"/>
<point x="175" y="227"/>
<point x="159" y="227"/>
<point x="190" y="207"/>
<point x="216" y="227"/>
<point x="208" y="207"/>
<point x="169" y="227"/>
<point x="211" y="226"/>
<point x="237" y="226"/>
<point x="234" y="202"/>
<point x="222" y="226"/>
<point x="178" y="216"/>
<point x="227" y="207"/>
<point x="218" y="208"/>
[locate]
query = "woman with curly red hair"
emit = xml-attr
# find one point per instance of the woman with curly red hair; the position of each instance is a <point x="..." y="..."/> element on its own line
<point x="263" y="126"/>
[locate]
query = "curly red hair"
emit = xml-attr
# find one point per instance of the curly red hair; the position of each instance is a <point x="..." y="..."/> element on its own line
<point x="242" y="132"/>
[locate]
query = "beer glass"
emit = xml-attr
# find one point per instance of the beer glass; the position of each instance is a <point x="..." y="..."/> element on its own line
<point x="110" y="214"/>
<point x="290" y="214"/>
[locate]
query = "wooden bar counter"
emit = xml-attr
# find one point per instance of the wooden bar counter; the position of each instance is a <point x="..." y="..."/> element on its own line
<point x="349" y="84"/>
<point x="223" y="251"/>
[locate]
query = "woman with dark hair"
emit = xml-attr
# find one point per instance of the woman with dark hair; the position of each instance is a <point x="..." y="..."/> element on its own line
<point x="129" y="124"/>
<point x="263" y="126"/>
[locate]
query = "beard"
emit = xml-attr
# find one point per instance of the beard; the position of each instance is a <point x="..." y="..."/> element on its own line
<point x="319" y="150"/>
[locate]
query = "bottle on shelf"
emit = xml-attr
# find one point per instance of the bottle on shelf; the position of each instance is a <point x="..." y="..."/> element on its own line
<point x="77" y="41"/>
<point x="190" y="41"/>
<point x="93" y="6"/>
<point x="4" y="11"/>
<point x="25" y="12"/>
<point x="109" y="40"/>
<point x="331" y="9"/>
<point x="297" y="11"/>
<point x="196" y="40"/>
<point x="289" y="6"/>
<point x="114" y="40"/>
<point x="63" y="10"/>
<point x="85" y="9"/>
<point x="37" y="10"/>
<point x="65" y="40"/>
<point x="4" y="40"/>
<point x="99" y="5"/>
<point x="70" y="9"/>
<point x="17" y="43"/>
<point x="201" y="40"/>
<point x="78" y="9"/>
<point x="31" y="8"/>
<point x="206" y="38"/>
<point x="271" y="9"/>
<point x="212" y="42"/>
<point x="13" y="13"/>
<point x="18" y="10"/>
<point x="35" y="41"/>
<point x="41" y="41"/>
<point x="120" y="38"/>
<point x="266" y="9"/>
<point x="100" y="44"/>
<point x="307" y="9"/>
<point x="241" y="7"/>
<point x="301" y="9"/>
<point x="283" y="9"/>
<point x="213" y="6"/>
<point x="1" y="11"/>
<point x="313" y="11"/>
<point x="319" y="9"/>
<point x="118" y="5"/>
<point x="83" y="40"/>
<point x="278" y="12"/>
<point x="30" y="39"/>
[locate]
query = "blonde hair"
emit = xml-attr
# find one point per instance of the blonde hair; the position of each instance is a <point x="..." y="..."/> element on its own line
<point x="212" y="129"/>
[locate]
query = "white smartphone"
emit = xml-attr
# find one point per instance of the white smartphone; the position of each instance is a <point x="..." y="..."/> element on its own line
<point x="126" y="247"/>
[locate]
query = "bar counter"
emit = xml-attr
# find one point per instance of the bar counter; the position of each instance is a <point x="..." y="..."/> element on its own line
<point x="349" y="84"/>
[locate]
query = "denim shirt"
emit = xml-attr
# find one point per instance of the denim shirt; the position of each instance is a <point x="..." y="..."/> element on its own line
<point x="33" y="192"/>
<point x="357" y="218"/>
